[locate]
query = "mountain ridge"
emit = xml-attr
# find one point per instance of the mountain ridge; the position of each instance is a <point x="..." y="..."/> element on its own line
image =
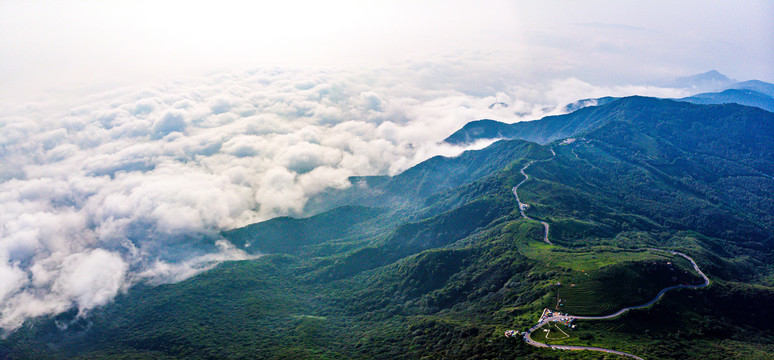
<point x="556" y="127"/>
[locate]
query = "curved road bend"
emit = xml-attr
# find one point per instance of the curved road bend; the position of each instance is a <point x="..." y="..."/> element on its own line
<point x="521" y="208"/>
<point x="528" y="334"/>
<point x="574" y="153"/>
<point x="545" y="238"/>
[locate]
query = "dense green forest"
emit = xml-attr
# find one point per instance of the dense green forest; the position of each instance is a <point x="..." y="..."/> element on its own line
<point x="437" y="262"/>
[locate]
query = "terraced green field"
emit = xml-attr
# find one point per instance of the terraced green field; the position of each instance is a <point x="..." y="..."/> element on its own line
<point x="554" y="333"/>
<point x="600" y="280"/>
<point x="608" y="289"/>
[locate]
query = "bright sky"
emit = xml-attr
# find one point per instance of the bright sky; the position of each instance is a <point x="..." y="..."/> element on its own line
<point x="88" y="45"/>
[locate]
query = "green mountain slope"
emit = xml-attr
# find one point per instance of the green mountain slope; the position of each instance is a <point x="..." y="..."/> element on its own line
<point x="755" y="85"/>
<point x="735" y="96"/>
<point x="291" y="235"/>
<point x="548" y="129"/>
<point x="438" y="262"/>
<point x="701" y="155"/>
<point x="589" y="114"/>
<point x="433" y="176"/>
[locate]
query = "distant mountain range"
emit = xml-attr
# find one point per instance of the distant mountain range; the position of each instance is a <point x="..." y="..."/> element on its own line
<point x="709" y="81"/>
<point x="734" y="96"/>
<point x="755" y="85"/>
<point x="708" y="88"/>
<point x="749" y="93"/>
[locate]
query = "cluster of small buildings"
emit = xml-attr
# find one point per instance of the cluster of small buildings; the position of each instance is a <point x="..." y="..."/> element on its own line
<point x="563" y="318"/>
<point x="547" y="313"/>
<point x="567" y="141"/>
<point x="568" y="322"/>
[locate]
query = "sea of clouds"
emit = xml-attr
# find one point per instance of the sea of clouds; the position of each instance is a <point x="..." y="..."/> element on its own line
<point x="135" y="185"/>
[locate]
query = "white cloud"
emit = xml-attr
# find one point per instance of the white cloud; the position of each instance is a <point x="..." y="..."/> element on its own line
<point x="91" y="278"/>
<point x="162" y="272"/>
<point x="12" y="279"/>
<point x="172" y="120"/>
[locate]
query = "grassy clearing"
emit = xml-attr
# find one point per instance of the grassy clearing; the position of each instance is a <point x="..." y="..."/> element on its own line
<point x="602" y="279"/>
<point x="613" y="287"/>
<point x="554" y="333"/>
<point x="587" y="259"/>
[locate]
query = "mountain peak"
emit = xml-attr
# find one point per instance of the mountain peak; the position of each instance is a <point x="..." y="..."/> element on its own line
<point x="709" y="81"/>
<point x="711" y="75"/>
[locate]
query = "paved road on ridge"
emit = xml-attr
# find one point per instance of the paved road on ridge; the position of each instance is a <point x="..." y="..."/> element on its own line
<point x="546" y="227"/>
<point x="528" y="333"/>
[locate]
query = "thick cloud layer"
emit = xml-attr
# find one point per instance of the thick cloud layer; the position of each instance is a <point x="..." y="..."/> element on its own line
<point x="135" y="185"/>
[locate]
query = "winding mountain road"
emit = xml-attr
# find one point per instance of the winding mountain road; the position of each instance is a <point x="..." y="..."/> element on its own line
<point x="546" y="227"/>
<point x="545" y="320"/>
<point x="660" y="293"/>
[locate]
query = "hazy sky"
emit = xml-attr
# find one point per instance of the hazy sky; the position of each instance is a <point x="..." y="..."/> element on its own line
<point x="86" y="45"/>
